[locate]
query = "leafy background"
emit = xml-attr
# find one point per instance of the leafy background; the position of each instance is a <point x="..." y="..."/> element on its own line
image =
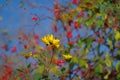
<point x="88" y="30"/>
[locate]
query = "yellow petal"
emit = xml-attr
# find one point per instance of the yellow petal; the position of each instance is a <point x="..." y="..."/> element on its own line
<point x="67" y="56"/>
<point x="50" y="38"/>
<point x="117" y="35"/>
<point x="45" y="40"/>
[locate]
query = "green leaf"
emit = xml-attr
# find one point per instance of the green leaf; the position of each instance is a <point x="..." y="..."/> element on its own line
<point x="99" y="22"/>
<point x="54" y="69"/>
<point x="107" y="75"/>
<point x="89" y="23"/>
<point x="63" y="69"/>
<point x="110" y="43"/>
<point x="43" y="54"/>
<point x="80" y="43"/>
<point x="118" y="66"/>
<point x="108" y="62"/>
<point x="29" y="65"/>
<point x="118" y="76"/>
<point x="107" y="56"/>
<point x="90" y="13"/>
<point x="58" y="73"/>
<point x="19" y="70"/>
<point x="70" y="46"/>
<point x="98" y="69"/>
<point x="37" y="76"/>
<point x="89" y="42"/>
<point x="79" y="20"/>
<point x="74" y="60"/>
<point x="82" y="63"/>
<point x="40" y="69"/>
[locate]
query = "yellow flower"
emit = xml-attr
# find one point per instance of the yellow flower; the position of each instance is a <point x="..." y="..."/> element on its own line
<point x="27" y="55"/>
<point x="117" y="35"/>
<point x="51" y="40"/>
<point x="35" y="55"/>
<point x="54" y="69"/>
<point x="30" y="54"/>
<point x="67" y="56"/>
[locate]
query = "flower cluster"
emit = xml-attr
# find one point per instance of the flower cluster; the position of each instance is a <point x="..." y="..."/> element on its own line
<point x="51" y="40"/>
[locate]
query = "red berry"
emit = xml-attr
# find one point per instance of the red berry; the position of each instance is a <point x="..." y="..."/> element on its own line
<point x="82" y="73"/>
<point x="96" y="32"/>
<point x="4" y="47"/>
<point x="76" y="70"/>
<point x="56" y="11"/>
<point x="25" y="46"/>
<point x="100" y="40"/>
<point x="106" y="25"/>
<point x="55" y="62"/>
<point x="60" y="64"/>
<point x="82" y="14"/>
<point x="69" y="34"/>
<point x="34" y="18"/>
<point x="76" y="25"/>
<point x="14" y="49"/>
<point x="36" y="37"/>
<point x="71" y="42"/>
<point x="78" y="36"/>
<point x="61" y="61"/>
<point x="74" y="1"/>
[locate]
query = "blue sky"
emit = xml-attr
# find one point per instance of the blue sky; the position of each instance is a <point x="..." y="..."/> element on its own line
<point x="14" y="17"/>
<point x="17" y="14"/>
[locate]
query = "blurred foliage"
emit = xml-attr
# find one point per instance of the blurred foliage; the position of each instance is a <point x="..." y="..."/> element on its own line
<point x="65" y="55"/>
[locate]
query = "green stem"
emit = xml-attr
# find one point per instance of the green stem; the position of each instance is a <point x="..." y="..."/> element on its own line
<point x="51" y="59"/>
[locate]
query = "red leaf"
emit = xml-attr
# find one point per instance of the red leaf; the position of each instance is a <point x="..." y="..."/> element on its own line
<point x="25" y="46"/>
<point x="5" y="47"/>
<point x="36" y="37"/>
<point x="55" y="62"/>
<point x="60" y="64"/>
<point x="76" y="70"/>
<point x="71" y="42"/>
<point x="55" y="29"/>
<point x="56" y="10"/>
<point x="108" y="13"/>
<point x="8" y="68"/>
<point x="10" y="62"/>
<point x="76" y="25"/>
<point x="96" y="32"/>
<point x="14" y="49"/>
<point x="107" y="17"/>
<point x="26" y="71"/>
<point x="100" y="40"/>
<point x="69" y="34"/>
<point x="78" y="36"/>
<point x="74" y="1"/>
<point x="65" y="27"/>
<point x="82" y="73"/>
<point x="34" y="18"/>
<point x="106" y="25"/>
<point x="114" y="27"/>
<point x="61" y="61"/>
<point x="82" y="14"/>
<point x="117" y="46"/>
